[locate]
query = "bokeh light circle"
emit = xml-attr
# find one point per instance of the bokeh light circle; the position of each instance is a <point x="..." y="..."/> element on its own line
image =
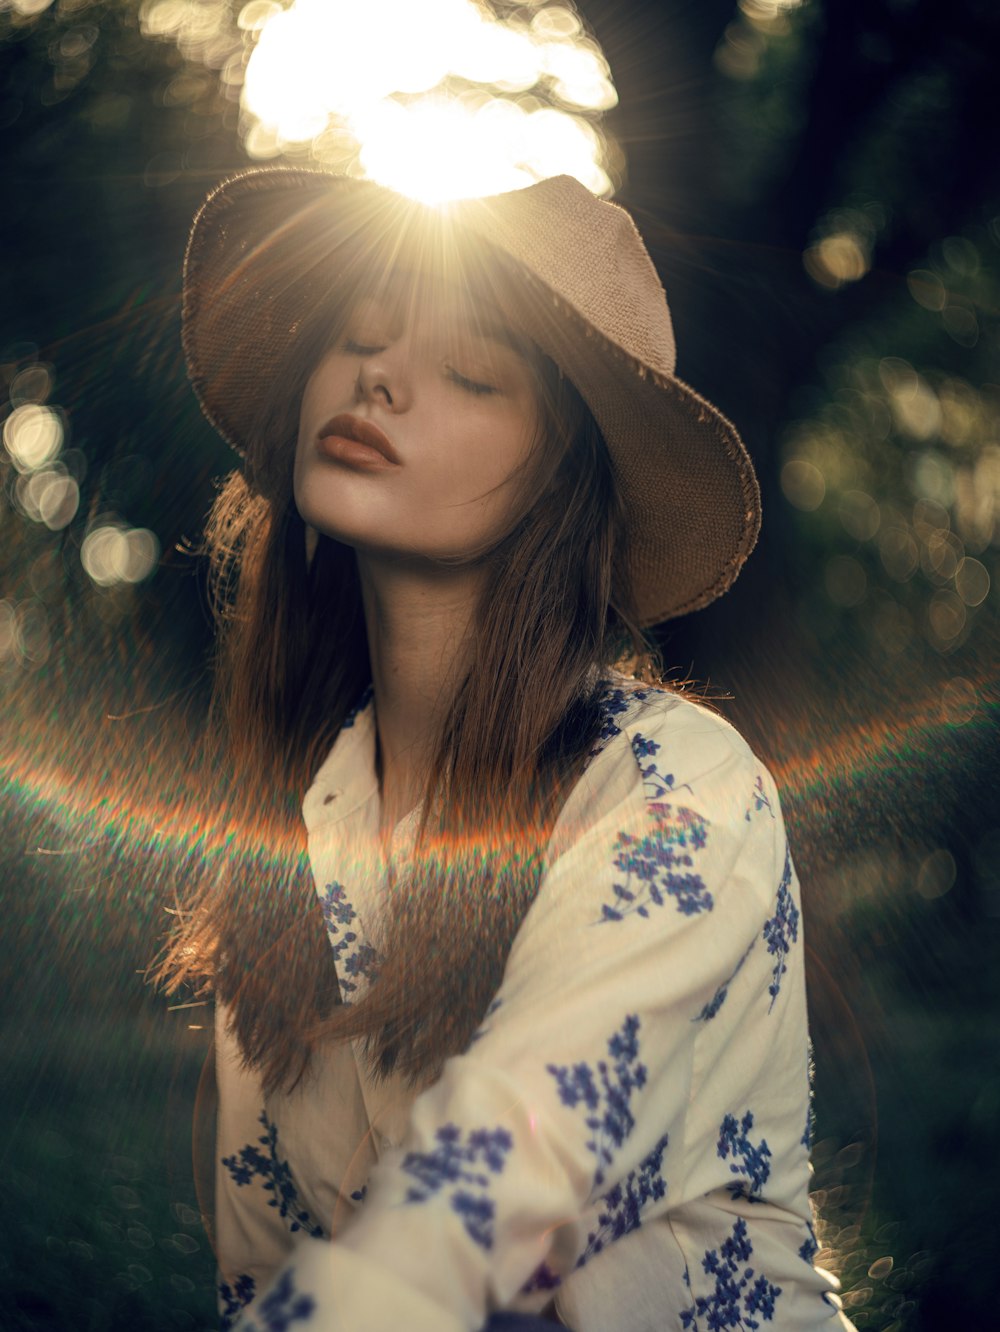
<point x="112" y="553"/>
<point x="32" y="435"/>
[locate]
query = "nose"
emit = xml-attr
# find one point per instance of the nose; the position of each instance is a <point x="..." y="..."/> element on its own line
<point x="384" y="378"/>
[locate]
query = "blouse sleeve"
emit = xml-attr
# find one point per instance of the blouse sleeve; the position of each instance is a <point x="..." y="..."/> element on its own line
<point x="571" y="1102"/>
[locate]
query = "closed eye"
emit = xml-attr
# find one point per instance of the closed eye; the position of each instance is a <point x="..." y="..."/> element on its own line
<point x="469" y="385"/>
<point x="353" y="348"/>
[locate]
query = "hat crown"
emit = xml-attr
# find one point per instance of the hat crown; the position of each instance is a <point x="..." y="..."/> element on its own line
<point x="599" y="265"/>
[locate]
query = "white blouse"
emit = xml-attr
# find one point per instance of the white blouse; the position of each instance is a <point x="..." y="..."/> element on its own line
<point x="627" y="1133"/>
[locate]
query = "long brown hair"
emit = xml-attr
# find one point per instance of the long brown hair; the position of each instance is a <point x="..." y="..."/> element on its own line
<point x="293" y="659"/>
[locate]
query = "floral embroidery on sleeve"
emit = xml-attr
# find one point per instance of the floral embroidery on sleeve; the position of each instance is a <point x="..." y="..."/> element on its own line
<point x="282" y="1306"/>
<point x="719" y="997"/>
<point x="737" y="1296"/>
<point x="542" y="1278"/>
<point x="751" y="1162"/>
<point x="782" y="930"/>
<point x="463" y="1169"/>
<point x="810" y="1245"/>
<point x="250" y="1163"/>
<point x="760" y="800"/>
<point x="606" y="1093"/>
<point x="623" y="1204"/>
<point x="657" y="866"/>
<point x="615" y="702"/>
<point x="620" y="1211"/>
<point x="354" y="958"/>
<point x="233" y="1298"/>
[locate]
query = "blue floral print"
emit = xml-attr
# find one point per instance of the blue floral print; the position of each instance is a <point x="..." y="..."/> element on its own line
<point x="719" y="997"/>
<point x="657" y="867"/>
<point x="760" y="800"/>
<point x="606" y="1093"/>
<point x="336" y="909"/>
<point x="615" y="702"/>
<point x="751" y="1162"/>
<point x="782" y="930"/>
<point x="355" y="959"/>
<point x="619" y="1212"/>
<point x="233" y="1298"/>
<point x="466" y="1164"/>
<point x="542" y="1278"/>
<point x="366" y="697"/>
<point x="737" y="1296"/>
<point x="623" y="1204"/>
<point x="251" y="1163"/>
<point x="283" y="1305"/>
<point x="643" y="748"/>
<point x="810" y="1245"/>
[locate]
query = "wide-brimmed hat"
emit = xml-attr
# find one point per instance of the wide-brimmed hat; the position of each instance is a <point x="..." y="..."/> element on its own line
<point x="268" y="245"/>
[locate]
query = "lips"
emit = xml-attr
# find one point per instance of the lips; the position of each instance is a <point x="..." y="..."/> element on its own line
<point x="353" y="428"/>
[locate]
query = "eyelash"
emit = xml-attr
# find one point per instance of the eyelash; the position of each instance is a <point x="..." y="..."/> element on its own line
<point x="469" y="385"/>
<point x="473" y="386"/>
<point x="358" y="348"/>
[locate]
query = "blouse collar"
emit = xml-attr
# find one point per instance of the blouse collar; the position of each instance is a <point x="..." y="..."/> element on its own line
<point x="346" y="779"/>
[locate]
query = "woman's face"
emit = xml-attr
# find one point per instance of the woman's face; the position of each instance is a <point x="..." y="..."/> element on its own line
<point x="415" y="429"/>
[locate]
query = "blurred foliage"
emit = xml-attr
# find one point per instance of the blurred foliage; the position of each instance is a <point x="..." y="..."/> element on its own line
<point x="819" y="187"/>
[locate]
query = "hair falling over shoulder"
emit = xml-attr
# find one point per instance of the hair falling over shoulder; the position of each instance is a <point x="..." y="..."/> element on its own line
<point x="293" y="660"/>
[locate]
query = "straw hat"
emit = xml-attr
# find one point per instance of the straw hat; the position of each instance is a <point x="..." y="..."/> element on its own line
<point x="268" y="245"/>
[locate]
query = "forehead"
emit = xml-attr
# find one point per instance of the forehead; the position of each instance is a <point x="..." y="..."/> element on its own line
<point x="454" y="290"/>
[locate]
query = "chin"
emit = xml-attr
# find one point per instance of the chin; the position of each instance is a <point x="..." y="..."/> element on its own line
<point x="335" y="512"/>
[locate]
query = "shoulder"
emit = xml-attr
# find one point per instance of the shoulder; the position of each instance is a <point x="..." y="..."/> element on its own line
<point x="690" y="727"/>
<point x="672" y="831"/>
<point x="654" y="739"/>
<point x="671" y="774"/>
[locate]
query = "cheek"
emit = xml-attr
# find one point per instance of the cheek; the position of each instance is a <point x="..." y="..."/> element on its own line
<point x="510" y="458"/>
<point x="321" y="398"/>
<point x="477" y="471"/>
<point x="502" y="441"/>
<point x="327" y="390"/>
<point x="491" y="478"/>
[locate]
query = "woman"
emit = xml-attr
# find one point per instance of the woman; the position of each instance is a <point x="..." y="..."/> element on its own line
<point x="548" y="1056"/>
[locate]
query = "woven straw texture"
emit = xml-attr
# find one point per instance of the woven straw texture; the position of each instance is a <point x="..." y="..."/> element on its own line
<point x="269" y="244"/>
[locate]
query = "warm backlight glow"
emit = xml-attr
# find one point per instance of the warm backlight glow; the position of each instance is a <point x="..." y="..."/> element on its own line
<point x="440" y="100"/>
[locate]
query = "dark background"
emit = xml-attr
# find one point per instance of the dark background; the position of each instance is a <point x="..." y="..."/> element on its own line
<point x="857" y="651"/>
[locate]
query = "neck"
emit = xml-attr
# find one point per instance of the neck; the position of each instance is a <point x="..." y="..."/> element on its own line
<point x="419" y="624"/>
